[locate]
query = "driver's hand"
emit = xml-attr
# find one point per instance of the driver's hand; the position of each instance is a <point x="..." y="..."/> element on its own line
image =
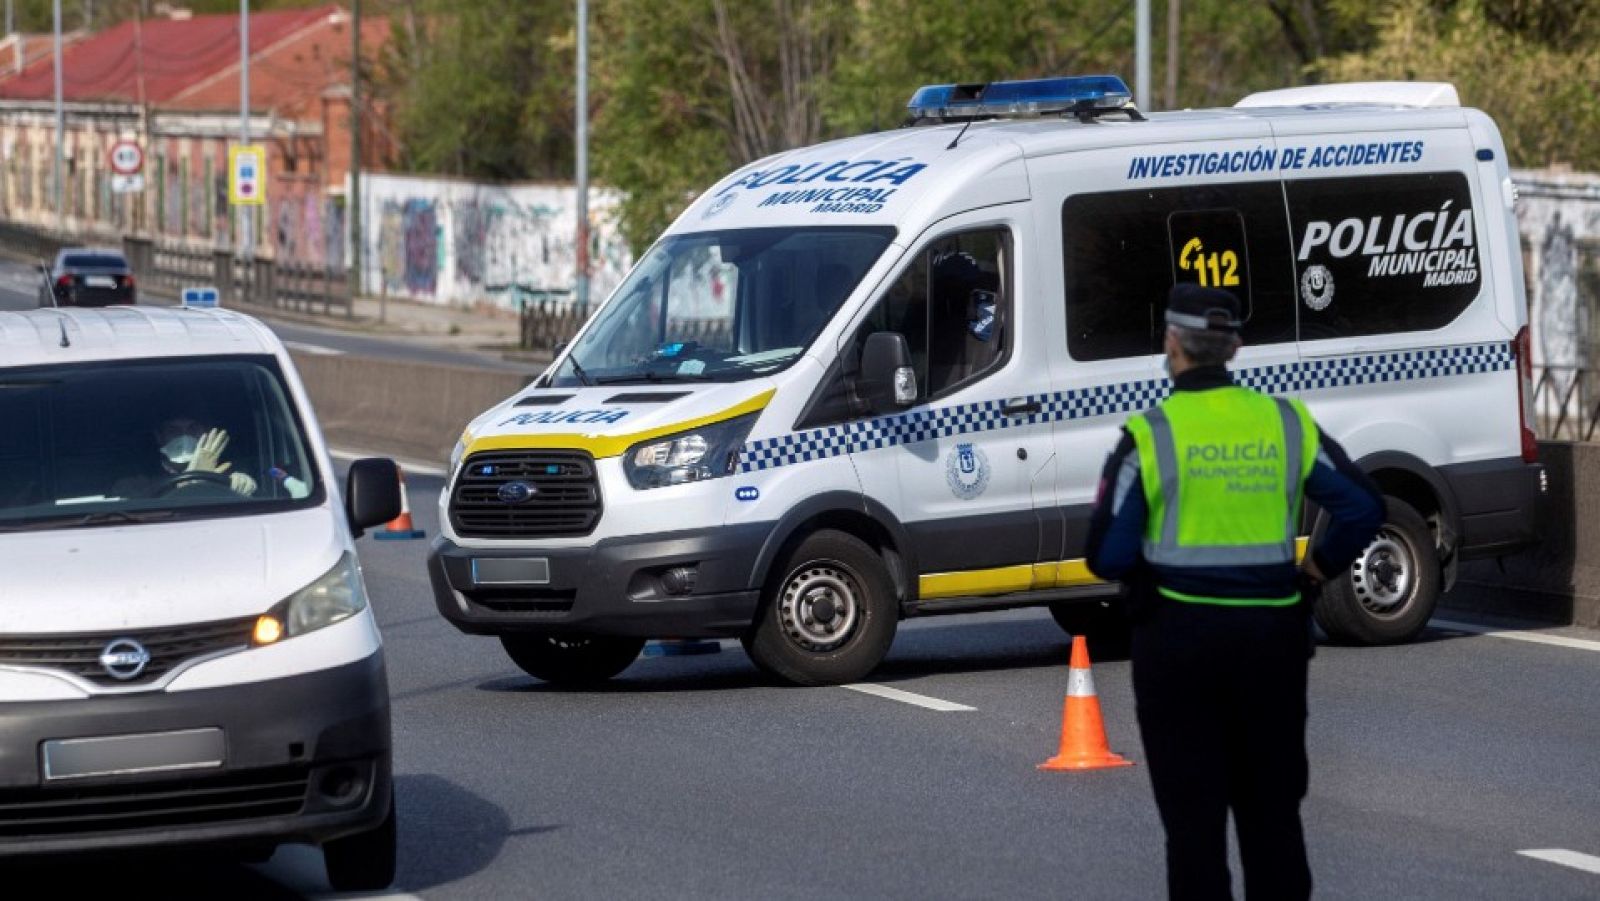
<point x="208" y="455"/>
<point x="242" y="484"/>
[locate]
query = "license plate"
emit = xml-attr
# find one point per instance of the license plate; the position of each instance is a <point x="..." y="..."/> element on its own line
<point x="510" y="571"/>
<point x="100" y="281"/>
<point x="122" y="755"/>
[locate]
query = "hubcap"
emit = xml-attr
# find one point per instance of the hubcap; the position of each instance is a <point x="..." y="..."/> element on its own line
<point x="1384" y="577"/>
<point x="820" y="606"/>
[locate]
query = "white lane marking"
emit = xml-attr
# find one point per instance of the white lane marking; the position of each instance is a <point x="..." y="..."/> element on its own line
<point x="419" y="469"/>
<point x="1560" y="641"/>
<point x="1585" y="862"/>
<point x="906" y="697"/>
<point x="313" y="349"/>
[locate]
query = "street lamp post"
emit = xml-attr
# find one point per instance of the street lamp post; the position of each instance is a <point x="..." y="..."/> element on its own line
<point x="61" y="129"/>
<point x="582" y="237"/>
<point x="246" y="238"/>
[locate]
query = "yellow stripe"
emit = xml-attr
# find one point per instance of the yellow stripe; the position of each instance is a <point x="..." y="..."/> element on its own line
<point x="602" y="446"/>
<point x="1023" y="577"/>
<point x="975" y="582"/>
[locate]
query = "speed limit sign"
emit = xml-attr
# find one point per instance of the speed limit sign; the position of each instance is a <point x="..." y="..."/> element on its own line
<point x="126" y="158"/>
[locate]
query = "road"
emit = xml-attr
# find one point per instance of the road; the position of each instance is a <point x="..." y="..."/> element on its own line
<point x="1433" y="765"/>
<point x="19" y="290"/>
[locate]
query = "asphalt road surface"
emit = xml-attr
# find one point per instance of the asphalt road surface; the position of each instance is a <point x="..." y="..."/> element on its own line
<point x="1433" y="766"/>
<point x="19" y="290"/>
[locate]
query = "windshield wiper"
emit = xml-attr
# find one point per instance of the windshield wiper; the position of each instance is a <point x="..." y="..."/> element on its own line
<point x="99" y="518"/>
<point x="577" y="370"/>
<point x="653" y="377"/>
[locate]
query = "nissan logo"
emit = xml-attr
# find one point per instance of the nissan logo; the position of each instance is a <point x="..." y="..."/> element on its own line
<point x="124" y="658"/>
<point x="516" y="492"/>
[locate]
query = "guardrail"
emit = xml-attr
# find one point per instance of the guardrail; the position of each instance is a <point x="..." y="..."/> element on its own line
<point x="1566" y="402"/>
<point x="286" y="284"/>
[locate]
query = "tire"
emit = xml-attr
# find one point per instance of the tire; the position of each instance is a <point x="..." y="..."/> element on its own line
<point x="363" y="862"/>
<point x="1390" y="592"/>
<point x="563" y="660"/>
<point x="1102" y="621"/>
<point x="836" y="574"/>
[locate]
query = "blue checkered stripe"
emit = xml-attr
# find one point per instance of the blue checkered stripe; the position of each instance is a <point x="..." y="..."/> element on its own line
<point x="1298" y="377"/>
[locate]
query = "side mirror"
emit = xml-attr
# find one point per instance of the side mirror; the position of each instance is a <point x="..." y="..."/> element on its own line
<point x="371" y="493"/>
<point x="887" y="381"/>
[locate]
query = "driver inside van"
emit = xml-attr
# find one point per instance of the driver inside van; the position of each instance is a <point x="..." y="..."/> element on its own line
<point x="188" y="453"/>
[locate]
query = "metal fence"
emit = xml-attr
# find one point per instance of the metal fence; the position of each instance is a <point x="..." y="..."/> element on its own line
<point x="1566" y="402"/>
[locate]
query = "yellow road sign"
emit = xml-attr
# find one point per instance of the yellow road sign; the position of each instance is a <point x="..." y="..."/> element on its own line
<point x="247" y="175"/>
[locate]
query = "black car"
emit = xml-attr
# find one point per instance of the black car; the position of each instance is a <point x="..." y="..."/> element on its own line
<point x="87" y="277"/>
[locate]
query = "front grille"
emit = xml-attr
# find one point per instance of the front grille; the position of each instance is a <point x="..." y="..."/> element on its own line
<point x="546" y="601"/>
<point x="565" y="501"/>
<point x="247" y="795"/>
<point x="79" y="653"/>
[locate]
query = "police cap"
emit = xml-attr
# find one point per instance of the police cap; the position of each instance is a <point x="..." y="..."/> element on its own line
<point x="1203" y="309"/>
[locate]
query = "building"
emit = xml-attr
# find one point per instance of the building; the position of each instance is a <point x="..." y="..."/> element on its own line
<point x="171" y="84"/>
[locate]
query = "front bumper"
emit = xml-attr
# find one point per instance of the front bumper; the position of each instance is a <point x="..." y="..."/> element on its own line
<point x="290" y="743"/>
<point x="613" y="588"/>
<point x="1501" y="504"/>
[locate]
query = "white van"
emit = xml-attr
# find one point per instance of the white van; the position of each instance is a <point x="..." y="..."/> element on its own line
<point x="878" y="377"/>
<point x="186" y="651"/>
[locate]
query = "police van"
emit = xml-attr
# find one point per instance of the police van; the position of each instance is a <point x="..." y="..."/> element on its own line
<point x="187" y="655"/>
<point x="877" y="378"/>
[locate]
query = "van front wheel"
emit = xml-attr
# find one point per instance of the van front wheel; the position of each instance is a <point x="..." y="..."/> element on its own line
<point x="566" y="660"/>
<point x="831" y="616"/>
<point x="1389" y="594"/>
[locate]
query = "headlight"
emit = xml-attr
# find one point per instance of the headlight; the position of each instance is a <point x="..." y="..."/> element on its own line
<point x="708" y="452"/>
<point x="457" y="451"/>
<point x="337" y="595"/>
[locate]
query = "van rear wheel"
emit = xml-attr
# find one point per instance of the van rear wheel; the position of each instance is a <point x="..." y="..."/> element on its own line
<point x="830" y="617"/>
<point x="566" y="660"/>
<point x="1390" y="592"/>
<point x="1103" y="622"/>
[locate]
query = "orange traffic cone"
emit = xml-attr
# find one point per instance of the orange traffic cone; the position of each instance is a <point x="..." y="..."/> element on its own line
<point x="400" y="528"/>
<point x="1083" y="734"/>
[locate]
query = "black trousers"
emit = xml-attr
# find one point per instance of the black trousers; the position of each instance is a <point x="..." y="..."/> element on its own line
<point x="1221" y="696"/>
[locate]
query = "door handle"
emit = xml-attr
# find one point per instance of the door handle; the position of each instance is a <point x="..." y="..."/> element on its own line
<point x="1021" y="407"/>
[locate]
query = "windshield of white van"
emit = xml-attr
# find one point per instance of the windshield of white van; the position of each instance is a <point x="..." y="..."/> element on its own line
<point x="149" y="441"/>
<point x="723" y="306"/>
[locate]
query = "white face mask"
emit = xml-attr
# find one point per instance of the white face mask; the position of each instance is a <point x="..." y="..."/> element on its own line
<point x="180" y="450"/>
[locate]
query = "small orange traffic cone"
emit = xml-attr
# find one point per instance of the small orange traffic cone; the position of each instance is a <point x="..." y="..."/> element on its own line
<point x="400" y="528"/>
<point x="1083" y="734"/>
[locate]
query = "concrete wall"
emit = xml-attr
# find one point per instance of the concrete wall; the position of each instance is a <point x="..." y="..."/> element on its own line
<point x="1559" y="580"/>
<point x="448" y="241"/>
<point x="410" y="410"/>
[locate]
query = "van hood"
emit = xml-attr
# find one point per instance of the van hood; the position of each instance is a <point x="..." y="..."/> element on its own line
<point x="606" y="420"/>
<point x="161" y="574"/>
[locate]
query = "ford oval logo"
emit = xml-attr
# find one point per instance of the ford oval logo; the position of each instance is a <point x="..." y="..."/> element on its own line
<point x="124" y="658"/>
<point x="516" y="492"/>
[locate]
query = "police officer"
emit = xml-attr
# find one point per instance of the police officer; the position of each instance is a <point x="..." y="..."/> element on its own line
<point x="1199" y="511"/>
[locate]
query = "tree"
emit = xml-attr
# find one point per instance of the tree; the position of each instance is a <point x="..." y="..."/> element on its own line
<point x="484" y="89"/>
<point x="1530" y="65"/>
<point x="691" y="89"/>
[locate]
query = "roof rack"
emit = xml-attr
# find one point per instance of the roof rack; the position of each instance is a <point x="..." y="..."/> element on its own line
<point x="1085" y="96"/>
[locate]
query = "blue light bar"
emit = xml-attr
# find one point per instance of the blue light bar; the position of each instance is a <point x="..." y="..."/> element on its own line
<point x="1019" y="98"/>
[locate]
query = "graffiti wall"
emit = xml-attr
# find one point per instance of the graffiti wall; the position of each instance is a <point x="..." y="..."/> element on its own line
<point x="457" y="242"/>
<point x="1559" y="215"/>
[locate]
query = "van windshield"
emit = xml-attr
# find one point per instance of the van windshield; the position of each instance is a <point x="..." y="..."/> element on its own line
<point x="723" y="306"/>
<point x="131" y="442"/>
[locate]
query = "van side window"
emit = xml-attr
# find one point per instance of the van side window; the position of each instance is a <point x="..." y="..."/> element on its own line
<point x="953" y="306"/>
<point x="1381" y="254"/>
<point x="1124" y="250"/>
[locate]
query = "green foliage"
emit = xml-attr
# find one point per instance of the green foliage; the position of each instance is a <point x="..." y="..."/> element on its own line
<point x="690" y="89"/>
<point x="485" y="90"/>
<point x="1531" y="66"/>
